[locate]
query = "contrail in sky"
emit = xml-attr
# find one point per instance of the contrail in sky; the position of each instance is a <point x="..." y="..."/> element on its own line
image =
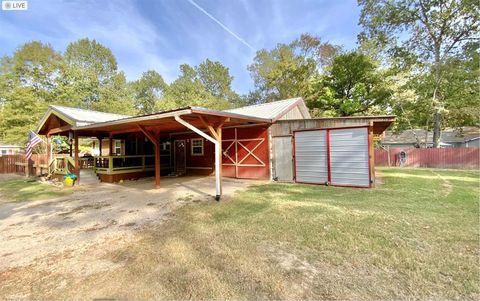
<point x="221" y="24"/>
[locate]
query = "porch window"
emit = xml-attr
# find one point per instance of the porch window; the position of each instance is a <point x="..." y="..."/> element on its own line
<point x="118" y="147"/>
<point x="197" y="147"/>
<point x="166" y="146"/>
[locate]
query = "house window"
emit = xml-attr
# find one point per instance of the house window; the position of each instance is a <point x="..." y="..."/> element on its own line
<point x="4" y="151"/>
<point x="166" y="146"/>
<point x="197" y="147"/>
<point x="118" y="147"/>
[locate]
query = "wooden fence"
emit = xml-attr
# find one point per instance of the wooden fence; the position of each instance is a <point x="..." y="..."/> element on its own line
<point x="17" y="163"/>
<point x="458" y="158"/>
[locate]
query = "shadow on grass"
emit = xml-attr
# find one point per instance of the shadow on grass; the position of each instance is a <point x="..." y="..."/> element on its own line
<point x="28" y="190"/>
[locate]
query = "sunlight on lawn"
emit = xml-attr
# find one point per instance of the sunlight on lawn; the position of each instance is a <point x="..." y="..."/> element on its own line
<point x="414" y="236"/>
<point x="433" y="176"/>
<point x="28" y="190"/>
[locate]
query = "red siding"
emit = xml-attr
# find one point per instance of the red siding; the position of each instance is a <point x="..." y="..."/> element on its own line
<point x="461" y="158"/>
<point x="249" y="164"/>
<point x="246" y="153"/>
<point x="208" y="158"/>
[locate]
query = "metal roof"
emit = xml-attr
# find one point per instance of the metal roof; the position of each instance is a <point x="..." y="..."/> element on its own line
<point x="270" y="110"/>
<point x="86" y="117"/>
<point x="172" y="113"/>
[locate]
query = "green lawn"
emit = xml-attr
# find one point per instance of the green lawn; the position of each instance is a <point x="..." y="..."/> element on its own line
<point x="29" y="190"/>
<point x="415" y="236"/>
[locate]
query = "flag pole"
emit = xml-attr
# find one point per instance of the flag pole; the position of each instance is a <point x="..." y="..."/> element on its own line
<point x="33" y="140"/>
<point x="29" y="167"/>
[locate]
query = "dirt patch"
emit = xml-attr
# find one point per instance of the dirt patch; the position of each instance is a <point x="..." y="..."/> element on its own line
<point x="45" y="245"/>
<point x="83" y="208"/>
<point x="312" y="277"/>
<point x="97" y="227"/>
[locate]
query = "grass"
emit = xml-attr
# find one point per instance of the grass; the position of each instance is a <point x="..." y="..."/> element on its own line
<point x="29" y="190"/>
<point x="416" y="236"/>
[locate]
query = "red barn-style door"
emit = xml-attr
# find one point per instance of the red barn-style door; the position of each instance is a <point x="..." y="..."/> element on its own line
<point x="245" y="153"/>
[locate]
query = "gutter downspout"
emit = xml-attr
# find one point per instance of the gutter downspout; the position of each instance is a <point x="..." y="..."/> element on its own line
<point x="217" y="152"/>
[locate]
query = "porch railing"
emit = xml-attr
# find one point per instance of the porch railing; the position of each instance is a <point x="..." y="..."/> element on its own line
<point x="103" y="164"/>
<point x="61" y="165"/>
<point x="123" y="164"/>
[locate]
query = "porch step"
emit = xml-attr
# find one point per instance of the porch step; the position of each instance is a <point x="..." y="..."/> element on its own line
<point x="88" y="176"/>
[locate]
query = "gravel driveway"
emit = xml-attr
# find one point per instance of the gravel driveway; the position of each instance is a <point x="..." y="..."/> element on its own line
<point x="72" y="234"/>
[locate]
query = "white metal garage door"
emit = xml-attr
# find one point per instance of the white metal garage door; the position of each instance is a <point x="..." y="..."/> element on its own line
<point x="349" y="157"/>
<point x="311" y="157"/>
<point x="335" y="156"/>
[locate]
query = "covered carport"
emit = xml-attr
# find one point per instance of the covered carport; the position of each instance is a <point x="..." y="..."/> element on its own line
<point x="208" y="124"/>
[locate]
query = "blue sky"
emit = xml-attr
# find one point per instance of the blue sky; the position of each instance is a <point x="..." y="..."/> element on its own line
<point x="162" y="34"/>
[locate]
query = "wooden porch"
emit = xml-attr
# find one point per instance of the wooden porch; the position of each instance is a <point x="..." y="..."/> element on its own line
<point x="144" y="157"/>
<point x="62" y="165"/>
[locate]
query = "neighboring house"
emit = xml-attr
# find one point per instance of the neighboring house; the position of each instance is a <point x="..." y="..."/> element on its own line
<point x="277" y="140"/>
<point x="473" y="142"/>
<point x="462" y="137"/>
<point x="9" y="149"/>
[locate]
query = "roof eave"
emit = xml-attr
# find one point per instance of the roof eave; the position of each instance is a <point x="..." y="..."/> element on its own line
<point x="173" y="113"/>
<point x="288" y="109"/>
<point x="179" y="112"/>
<point x="52" y="110"/>
<point x="199" y="110"/>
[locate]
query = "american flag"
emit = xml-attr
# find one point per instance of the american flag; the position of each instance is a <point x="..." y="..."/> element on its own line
<point x="33" y="140"/>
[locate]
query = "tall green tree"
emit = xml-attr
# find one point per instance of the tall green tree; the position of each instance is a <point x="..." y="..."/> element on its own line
<point x="28" y="83"/>
<point x="92" y="56"/>
<point x="147" y="91"/>
<point x="351" y="85"/>
<point x="286" y="70"/>
<point x="461" y="96"/>
<point x="91" y="79"/>
<point x="432" y="30"/>
<point x="19" y="114"/>
<point x="207" y="85"/>
<point x="36" y="65"/>
<point x="216" y="79"/>
<point x="187" y="90"/>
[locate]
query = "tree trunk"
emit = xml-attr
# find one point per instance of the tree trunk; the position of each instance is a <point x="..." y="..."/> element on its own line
<point x="437" y="117"/>
<point x="437" y="127"/>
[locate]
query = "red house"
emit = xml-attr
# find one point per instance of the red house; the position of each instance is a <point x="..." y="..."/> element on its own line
<point x="234" y="143"/>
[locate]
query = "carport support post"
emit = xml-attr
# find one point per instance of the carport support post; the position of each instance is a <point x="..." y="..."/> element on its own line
<point x="156" y="142"/>
<point x="218" y="157"/>
<point x="371" y="155"/>
<point x="217" y="141"/>
<point x="49" y="150"/>
<point x="110" y="145"/>
<point x="157" y="165"/>
<point x="99" y="146"/>
<point x="77" y="159"/>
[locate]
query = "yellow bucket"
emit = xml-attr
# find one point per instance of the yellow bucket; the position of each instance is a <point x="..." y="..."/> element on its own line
<point x="68" y="182"/>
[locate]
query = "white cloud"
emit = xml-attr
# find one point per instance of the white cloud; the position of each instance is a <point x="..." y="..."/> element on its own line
<point x="161" y="35"/>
